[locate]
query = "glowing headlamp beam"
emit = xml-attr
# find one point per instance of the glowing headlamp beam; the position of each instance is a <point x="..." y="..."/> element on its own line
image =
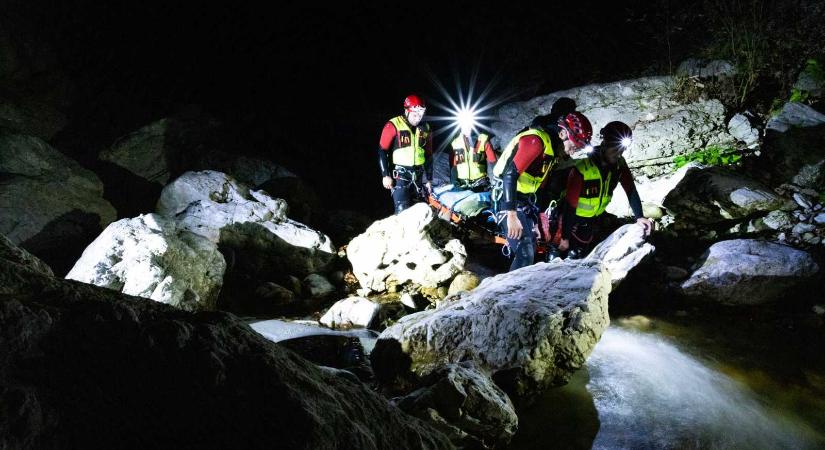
<point x="465" y="120"/>
<point x="626" y="142"/>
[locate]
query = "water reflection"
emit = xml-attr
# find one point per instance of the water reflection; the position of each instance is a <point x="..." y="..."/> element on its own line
<point x="563" y="418"/>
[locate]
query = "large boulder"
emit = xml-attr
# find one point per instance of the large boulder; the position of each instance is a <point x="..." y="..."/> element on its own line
<point x="250" y="224"/>
<point x="30" y="114"/>
<point x="305" y="205"/>
<point x="351" y="312"/>
<point x="400" y="249"/>
<point x="700" y="68"/>
<point x="17" y="255"/>
<point x="715" y="195"/>
<point x="795" y="115"/>
<point x="466" y="405"/>
<point x="51" y="206"/>
<point x="147" y="152"/>
<point x="747" y="272"/>
<point x="652" y="192"/>
<point x="740" y="128"/>
<point x="163" y="150"/>
<point x="531" y="328"/>
<point x="98" y="369"/>
<point x="662" y="126"/>
<point x="151" y="256"/>
<point x="797" y="155"/>
<point x="623" y="250"/>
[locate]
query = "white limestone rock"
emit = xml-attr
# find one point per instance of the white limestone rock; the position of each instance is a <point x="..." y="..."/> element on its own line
<point x="350" y="312"/>
<point x="150" y="256"/>
<point x="400" y="249"/>
<point x="749" y="272"/>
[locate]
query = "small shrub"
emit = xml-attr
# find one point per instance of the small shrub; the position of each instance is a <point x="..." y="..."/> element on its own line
<point x="713" y="155"/>
<point x="798" y="95"/>
<point x="687" y="89"/>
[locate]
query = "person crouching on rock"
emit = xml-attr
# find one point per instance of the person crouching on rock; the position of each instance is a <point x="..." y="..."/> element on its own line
<point x="519" y="173"/>
<point x="590" y="188"/>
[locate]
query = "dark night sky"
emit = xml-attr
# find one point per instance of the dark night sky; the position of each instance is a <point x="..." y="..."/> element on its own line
<point x="299" y="75"/>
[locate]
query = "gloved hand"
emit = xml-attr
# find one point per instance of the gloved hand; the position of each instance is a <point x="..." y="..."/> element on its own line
<point x="387" y="182"/>
<point x="564" y="244"/>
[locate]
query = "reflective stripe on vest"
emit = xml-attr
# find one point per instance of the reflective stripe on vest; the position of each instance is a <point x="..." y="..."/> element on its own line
<point x="596" y="193"/>
<point x="527" y="184"/>
<point x="470" y="164"/>
<point x="409" y="150"/>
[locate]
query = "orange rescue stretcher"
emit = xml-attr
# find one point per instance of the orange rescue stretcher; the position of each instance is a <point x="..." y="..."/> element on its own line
<point x="484" y="222"/>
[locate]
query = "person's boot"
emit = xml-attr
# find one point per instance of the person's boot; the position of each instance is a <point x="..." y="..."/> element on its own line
<point x="553" y="253"/>
<point x="575" y="253"/>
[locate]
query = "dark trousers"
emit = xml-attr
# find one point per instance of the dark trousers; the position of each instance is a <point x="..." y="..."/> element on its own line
<point x="523" y="250"/>
<point x="582" y="234"/>
<point x="406" y="192"/>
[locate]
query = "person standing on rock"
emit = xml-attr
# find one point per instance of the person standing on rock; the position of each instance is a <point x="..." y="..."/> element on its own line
<point x="405" y="154"/>
<point x="522" y="170"/>
<point x="590" y="188"/>
<point x="470" y="160"/>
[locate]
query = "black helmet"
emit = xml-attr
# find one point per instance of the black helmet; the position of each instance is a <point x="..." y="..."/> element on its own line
<point x="616" y="133"/>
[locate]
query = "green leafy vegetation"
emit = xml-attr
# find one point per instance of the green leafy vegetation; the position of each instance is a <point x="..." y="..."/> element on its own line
<point x="814" y="70"/>
<point x="798" y="95"/>
<point x="713" y="155"/>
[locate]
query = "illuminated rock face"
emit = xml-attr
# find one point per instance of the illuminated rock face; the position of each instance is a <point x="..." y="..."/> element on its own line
<point x="252" y="223"/>
<point x="151" y="256"/>
<point x="748" y="272"/>
<point x="401" y="249"/>
<point x="652" y="192"/>
<point x="662" y="127"/>
<point x="714" y="195"/>
<point x="530" y="328"/>
<point x="623" y="250"/>
<point x="795" y="114"/>
<point x="350" y="312"/>
<point x="101" y="369"/>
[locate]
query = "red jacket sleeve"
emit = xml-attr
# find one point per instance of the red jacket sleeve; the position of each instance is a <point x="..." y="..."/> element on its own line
<point x="387" y="136"/>
<point x="575" y="181"/>
<point x="530" y="147"/>
<point x="488" y="150"/>
<point x="626" y="178"/>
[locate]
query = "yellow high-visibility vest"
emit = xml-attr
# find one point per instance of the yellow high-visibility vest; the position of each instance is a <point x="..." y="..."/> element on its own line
<point x="596" y="193"/>
<point x="409" y="150"/>
<point x="471" y="164"/>
<point x="527" y="184"/>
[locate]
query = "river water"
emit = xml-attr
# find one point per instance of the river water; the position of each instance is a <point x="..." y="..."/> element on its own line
<point x="650" y="383"/>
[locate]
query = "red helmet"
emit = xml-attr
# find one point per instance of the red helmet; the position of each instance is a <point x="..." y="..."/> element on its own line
<point x="413" y="101"/>
<point x="616" y="133"/>
<point x="578" y="128"/>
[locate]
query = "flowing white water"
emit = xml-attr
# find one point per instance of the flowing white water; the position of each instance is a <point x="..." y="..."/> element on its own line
<point x="649" y="394"/>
